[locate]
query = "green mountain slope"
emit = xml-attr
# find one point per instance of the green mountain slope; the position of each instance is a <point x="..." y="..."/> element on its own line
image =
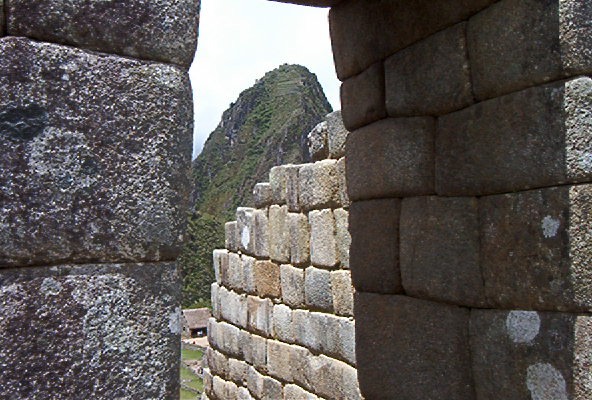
<point x="266" y="126"/>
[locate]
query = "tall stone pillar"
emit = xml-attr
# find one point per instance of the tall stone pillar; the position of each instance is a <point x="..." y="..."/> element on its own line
<point x="95" y="147"/>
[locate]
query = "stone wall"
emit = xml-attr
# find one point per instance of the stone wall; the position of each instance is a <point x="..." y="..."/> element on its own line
<point x="95" y="143"/>
<point x="468" y="167"/>
<point x="282" y="325"/>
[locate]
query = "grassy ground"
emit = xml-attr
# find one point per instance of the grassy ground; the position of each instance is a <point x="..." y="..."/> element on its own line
<point x="191" y="384"/>
<point x="187" y="395"/>
<point x="188" y="354"/>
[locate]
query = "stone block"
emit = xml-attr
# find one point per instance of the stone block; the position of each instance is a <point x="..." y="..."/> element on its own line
<point x="317" y="289"/>
<point x="295" y="392"/>
<point x="213" y="334"/>
<point x="341" y="176"/>
<point x="533" y="138"/>
<point x="323" y="247"/>
<point x="292" y="282"/>
<point x="254" y="349"/>
<point x="255" y="382"/>
<point x="363" y="98"/>
<point x="277" y="182"/>
<point x="279" y="234"/>
<point x="237" y="371"/>
<point x="260" y="230"/>
<point x="262" y="195"/>
<point x="220" y="262"/>
<point x="207" y="380"/>
<point x="340" y="338"/>
<point x="309" y="329"/>
<point x="267" y="279"/>
<point x="215" y="299"/>
<point x="278" y="360"/>
<point x="260" y="315"/>
<point x="152" y="30"/>
<point x="334" y="379"/>
<point x="337" y="134"/>
<point x="85" y="176"/>
<point x="272" y="389"/>
<point x="217" y="362"/>
<point x="374" y="252"/>
<point x="531" y="355"/>
<point x="319" y="185"/>
<point x="249" y="274"/>
<point x="416" y="341"/>
<point x="430" y="77"/>
<point x="282" y="323"/>
<point x="318" y="145"/>
<point x="234" y="277"/>
<point x="439" y="245"/>
<point x="391" y="158"/>
<point x="299" y="358"/>
<point x="518" y="44"/>
<point x="292" y="187"/>
<point x="233" y="307"/>
<point x="342" y="236"/>
<point x="229" y="339"/>
<point x="244" y="394"/>
<point x="536" y="249"/>
<point x="299" y="231"/>
<point x="219" y="388"/>
<point x="343" y="293"/>
<point x="231" y="234"/>
<point x="244" y="226"/>
<point x="68" y="327"/>
<point x="363" y="32"/>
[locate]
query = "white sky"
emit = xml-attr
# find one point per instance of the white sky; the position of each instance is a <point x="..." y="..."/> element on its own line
<point x="241" y="40"/>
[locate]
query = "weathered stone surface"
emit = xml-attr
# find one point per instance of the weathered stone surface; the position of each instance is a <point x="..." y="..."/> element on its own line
<point x="292" y="282"/>
<point x="340" y="339"/>
<point x="272" y="389"/>
<point x="254" y="349"/>
<point x="374" y="252"/>
<point x="439" y="246"/>
<point x="260" y="314"/>
<point x="431" y="77"/>
<point x="154" y="30"/>
<point x="317" y="289"/>
<point x="341" y="175"/>
<point x="319" y="185"/>
<point x="278" y="360"/>
<point x="260" y="230"/>
<point x="231" y="236"/>
<point x="532" y="138"/>
<point x="299" y="230"/>
<point x="237" y="371"/>
<point x="233" y="307"/>
<point x="249" y="274"/>
<point x="244" y="394"/>
<point x="337" y="134"/>
<point x="363" y="32"/>
<point x="363" y="98"/>
<point x="342" y="236"/>
<point x="85" y="176"/>
<point x="279" y="234"/>
<point x="517" y="44"/>
<point x="536" y="248"/>
<point x="220" y="262"/>
<point x="295" y="392"/>
<point x="343" y="293"/>
<point x="262" y="195"/>
<point x="323" y="247"/>
<point x="234" y="277"/>
<point x="217" y="362"/>
<point x="318" y="142"/>
<point x="334" y="379"/>
<point x="282" y="323"/>
<point x="391" y="158"/>
<point x="91" y="331"/>
<point x="415" y="341"/>
<point x="529" y="355"/>
<point x="309" y="329"/>
<point x="229" y="339"/>
<point x="207" y="380"/>
<point x="277" y="182"/>
<point x="267" y="279"/>
<point x="215" y="299"/>
<point x="244" y="227"/>
<point x="292" y="187"/>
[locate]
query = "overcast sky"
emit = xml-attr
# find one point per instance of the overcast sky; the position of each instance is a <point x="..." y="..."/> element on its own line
<point x="240" y="40"/>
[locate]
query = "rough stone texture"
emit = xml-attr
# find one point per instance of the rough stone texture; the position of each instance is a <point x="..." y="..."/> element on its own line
<point x="363" y="32"/>
<point x="231" y="236"/>
<point x="337" y="134"/>
<point x="536" y="248"/>
<point x="90" y="331"/>
<point x="342" y="175"/>
<point x="318" y="145"/>
<point x="401" y="149"/>
<point x="235" y="278"/>
<point x="217" y="362"/>
<point x="233" y="307"/>
<point x="254" y="349"/>
<point x="262" y="195"/>
<point x="267" y="279"/>
<point x="343" y="293"/>
<point x="431" y="77"/>
<point x="249" y="274"/>
<point x="323" y="248"/>
<point x="299" y="230"/>
<point x="319" y="185"/>
<point x="295" y="392"/>
<point x="215" y="299"/>
<point x="278" y="360"/>
<point x="414" y="341"/>
<point x="363" y="98"/>
<point x="292" y="282"/>
<point x="277" y="182"/>
<point x="260" y="314"/>
<point x="309" y="329"/>
<point x="244" y="227"/>
<point x="154" y="30"/>
<point x="85" y="176"/>
<point x="317" y="289"/>
<point x="440" y="250"/>
<point x="529" y="355"/>
<point x="374" y="252"/>
<point x="533" y="138"/>
<point x="279" y="234"/>
<point x="260" y="231"/>
<point x="237" y="371"/>
<point x="339" y="341"/>
<point x="342" y="236"/>
<point x="516" y="44"/>
<point x="292" y="187"/>
<point x="220" y="262"/>
<point x="333" y="379"/>
<point x="282" y="323"/>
